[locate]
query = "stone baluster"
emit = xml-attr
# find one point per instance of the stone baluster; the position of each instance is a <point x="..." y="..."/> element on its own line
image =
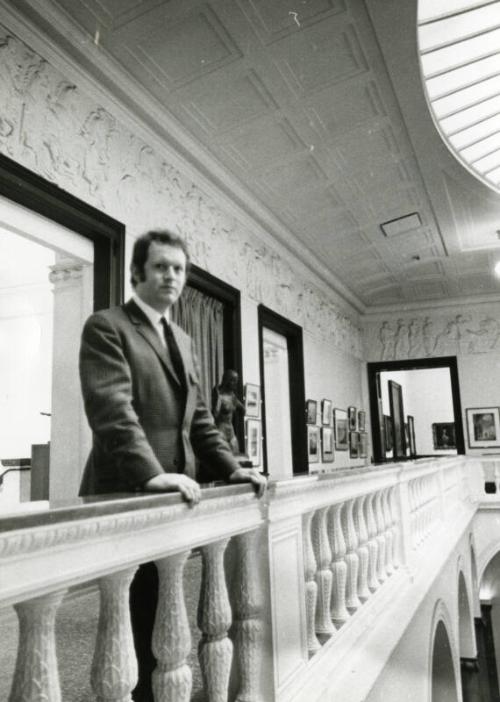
<point x="172" y="679"/>
<point x="396" y="531"/>
<point x="381" y="541"/>
<point x="36" y="676"/>
<point x="323" y="555"/>
<point x="413" y="516"/>
<point x="311" y="587"/>
<point x="113" y="674"/>
<point x="372" y="544"/>
<point x="362" y="533"/>
<point x="351" y="557"/>
<point x="339" y="611"/>
<point x="215" y="650"/>
<point x="389" y="537"/>
<point x="247" y="613"/>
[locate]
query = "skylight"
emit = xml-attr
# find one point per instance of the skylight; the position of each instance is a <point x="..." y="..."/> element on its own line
<point x="459" y="43"/>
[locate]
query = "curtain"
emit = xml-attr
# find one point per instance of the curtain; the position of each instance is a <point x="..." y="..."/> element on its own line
<point x="201" y="316"/>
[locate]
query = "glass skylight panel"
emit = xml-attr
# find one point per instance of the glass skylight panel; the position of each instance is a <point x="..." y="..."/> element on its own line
<point x="430" y="9"/>
<point x="488" y="163"/>
<point x="459" y="27"/>
<point x="487" y="146"/>
<point x="494" y="176"/>
<point x="456" y="55"/>
<point x="464" y="76"/>
<point x="476" y="133"/>
<point x="466" y="97"/>
<point x="469" y="116"/>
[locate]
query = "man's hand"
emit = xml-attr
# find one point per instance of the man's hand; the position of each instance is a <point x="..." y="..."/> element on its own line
<point x="250" y="475"/>
<point x="175" y="482"/>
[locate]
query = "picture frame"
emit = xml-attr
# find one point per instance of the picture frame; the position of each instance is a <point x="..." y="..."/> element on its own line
<point x="361" y="420"/>
<point x="311" y="411"/>
<point x="313" y="443"/>
<point x="363" y="444"/>
<point x="354" y="444"/>
<point x="443" y="436"/>
<point x="327" y="450"/>
<point x="411" y="432"/>
<point x="253" y="441"/>
<point x="352" y="415"/>
<point x="398" y="420"/>
<point x="326" y="412"/>
<point x="483" y="427"/>
<point x="341" y="428"/>
<point x="252" y="400"/>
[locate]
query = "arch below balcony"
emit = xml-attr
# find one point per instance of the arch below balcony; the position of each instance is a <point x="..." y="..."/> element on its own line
<point x="443" y="658"/>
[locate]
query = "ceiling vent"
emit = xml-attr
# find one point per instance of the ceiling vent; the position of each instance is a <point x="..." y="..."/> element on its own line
<point x="401" y="225"/>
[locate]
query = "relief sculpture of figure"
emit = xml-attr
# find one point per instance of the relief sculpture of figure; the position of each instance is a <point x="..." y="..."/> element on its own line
<point x="402" y="346"/>
<point x="386" y="336"/>
<point x="225" y="403"/>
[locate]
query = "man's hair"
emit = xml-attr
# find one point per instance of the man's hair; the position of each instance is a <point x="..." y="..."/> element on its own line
<point x="141" y="250"/>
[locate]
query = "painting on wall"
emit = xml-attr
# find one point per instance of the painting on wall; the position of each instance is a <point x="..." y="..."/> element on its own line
<point x="311" y="411"/>
<point x="389" y="445"/>
<point x="411" y="433"/>
<point x="341" y="429"/>
<point x="352" y="414"/>
<point x="363" y="444"/>
<point x="253" y="440"/>
<point x="326" y="412"/>
<point x="443" y="436"/>
<point x="327" y="452"/>
<point x="397" y="417"/>
<point x="483" y="427"/>
<point x="252" y="400"/>
<point x="313" y="443"/>
<point x="361" y="420"/>
<point x="354" y="444"/>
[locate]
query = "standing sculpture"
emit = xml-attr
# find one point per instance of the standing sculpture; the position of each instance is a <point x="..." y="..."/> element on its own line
<point x="225" y="403"/>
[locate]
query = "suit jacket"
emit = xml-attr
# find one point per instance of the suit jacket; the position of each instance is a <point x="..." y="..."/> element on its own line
<point x="145" y="420"/>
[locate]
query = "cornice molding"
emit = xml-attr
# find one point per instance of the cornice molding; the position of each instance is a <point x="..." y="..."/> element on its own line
<point x="379" y="313"/>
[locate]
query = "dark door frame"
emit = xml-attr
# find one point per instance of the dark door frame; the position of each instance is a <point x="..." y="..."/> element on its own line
<point x="373" y="370"/>
<point x="30" y="190"/>
<point x="293" y="334"/>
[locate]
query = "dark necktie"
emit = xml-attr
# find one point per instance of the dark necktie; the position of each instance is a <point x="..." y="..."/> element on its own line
<point x="173" y="349"/>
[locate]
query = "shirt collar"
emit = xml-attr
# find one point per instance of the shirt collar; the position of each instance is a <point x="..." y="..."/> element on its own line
<point x="153" y="315"/>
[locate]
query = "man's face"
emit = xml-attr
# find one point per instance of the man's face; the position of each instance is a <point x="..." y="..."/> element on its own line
<point x="164" y="276"/>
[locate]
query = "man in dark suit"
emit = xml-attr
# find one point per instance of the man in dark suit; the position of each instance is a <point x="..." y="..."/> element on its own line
<point x="144" y="404"/>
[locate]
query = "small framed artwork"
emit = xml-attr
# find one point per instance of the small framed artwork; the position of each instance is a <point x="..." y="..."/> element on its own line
<point x="326" y="412"/>
<point x="327" y="452"/>
<point x="252" y="401"/>
<point x="253" y="440"/>
<point x="311" y="411"/>
<point x="354" y="444"/>
<point x="363" y="444"/>
<point x="361" y="420"/>
<point x="341" y="429"/>
<point x="312" y="443"/>
<point x="411" y="432"/>
<point x="351" y="413"/>
<point x="443" y="436"/>
<point x="388" y="433"/>
<point x="483" y="427"/>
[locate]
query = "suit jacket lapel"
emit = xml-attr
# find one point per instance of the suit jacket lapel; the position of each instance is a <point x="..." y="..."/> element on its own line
<point x="144" y="328"/>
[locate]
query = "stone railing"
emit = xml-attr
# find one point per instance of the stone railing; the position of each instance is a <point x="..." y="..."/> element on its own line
<point x="316" y="567"/>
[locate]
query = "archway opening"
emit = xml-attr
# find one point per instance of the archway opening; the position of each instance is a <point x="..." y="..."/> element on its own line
<point x="443" y="681"/>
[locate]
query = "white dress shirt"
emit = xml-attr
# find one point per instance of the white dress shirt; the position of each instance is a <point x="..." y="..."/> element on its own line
<point x="154" y="317"/>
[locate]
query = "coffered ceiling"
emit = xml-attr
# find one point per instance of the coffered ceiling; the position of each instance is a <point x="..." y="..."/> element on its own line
<point x="315" y="110"/>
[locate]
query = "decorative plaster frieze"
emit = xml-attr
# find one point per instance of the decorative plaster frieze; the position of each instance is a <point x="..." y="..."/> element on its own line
<point x="50" y="126"/>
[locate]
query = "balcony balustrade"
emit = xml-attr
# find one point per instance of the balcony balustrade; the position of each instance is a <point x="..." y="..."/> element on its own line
<point x="291" y="584"/>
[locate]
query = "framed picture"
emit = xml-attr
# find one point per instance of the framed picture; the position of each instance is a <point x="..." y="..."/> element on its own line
<point x="354" y="444"/>
<point x="340" y="421"/>
<point x="326" y="412"/>
<point x="312" y="443"/>
<point x="483" y="427"/>
<point x="311" y="411"/>
<point x="398" y="419"/>
<point x="443" y="436"/>
<point x="351" y="413"/>
<point x="252" y="400"/>
<point x="411" y="432"/>
<point x="363" y="444"/>
<point x="389" y="444"/>
<point x="327" y="451"/>
<point x="361" y="420"/>
<point x="253" y="440"/>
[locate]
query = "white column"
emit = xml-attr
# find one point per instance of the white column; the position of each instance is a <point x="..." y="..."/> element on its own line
<point x="70" y="436"/>
<point x="36" y="676"/>
<point x="352" y="559"/>
<point x="311" y="587"/>
<point x="362" y="533"/>
<point x="371" y="526"/>
<point x="215" y="651"/>
<point x="381" y="541"/>
<point x="114" y="667"/>
<point x="323" y="555"/>
<point x="171" y="644"/>
<point x="339" y="610"/>
<point x="389" y="536"/>
<point x="247" y="613"/>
